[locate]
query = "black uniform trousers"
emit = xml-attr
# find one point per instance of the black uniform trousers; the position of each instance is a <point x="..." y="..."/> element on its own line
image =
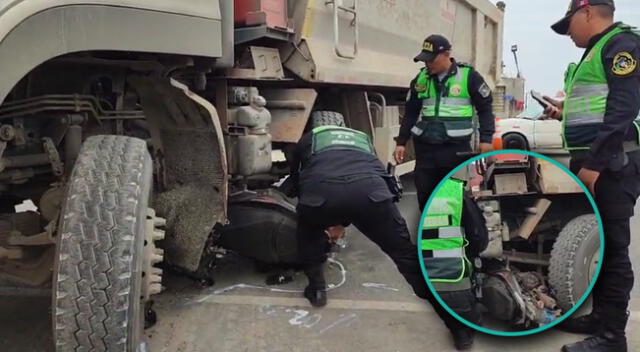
<point x="433" y="163"/>
<point x="616" y="193"/>
<point x="366" y="202"/>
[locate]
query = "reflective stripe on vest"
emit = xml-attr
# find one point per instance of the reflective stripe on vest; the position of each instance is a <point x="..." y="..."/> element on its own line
<point x="449" y="244"/>
<point x="587" y="93"/>
<point x="443" y="244"/>
<point x="333" y="137"/>
<point x="455" y="104"/>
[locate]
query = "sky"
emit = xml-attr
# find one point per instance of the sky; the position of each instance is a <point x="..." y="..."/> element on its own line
<point x="544" y="55"/>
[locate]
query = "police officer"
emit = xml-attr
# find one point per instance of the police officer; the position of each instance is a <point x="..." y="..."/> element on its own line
<point x="454" y="231"/>
<point x="439" y="115"/>
<point x="603" y="99"/>
<point x="339" y="181"/>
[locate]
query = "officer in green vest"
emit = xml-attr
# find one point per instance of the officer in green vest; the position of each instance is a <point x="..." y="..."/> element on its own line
<point x="439" y="115"/>
<point x="602" y="102"/>
<point x="454" y="231"/>
<point x="339" y="180"/>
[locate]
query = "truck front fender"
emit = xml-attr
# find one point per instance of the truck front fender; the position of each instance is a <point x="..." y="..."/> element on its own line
<point x="191" y="166"/>
<point x="35" y="31"/>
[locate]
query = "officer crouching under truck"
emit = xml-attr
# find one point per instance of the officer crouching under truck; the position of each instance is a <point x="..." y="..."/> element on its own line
<point x="340" y="181"/>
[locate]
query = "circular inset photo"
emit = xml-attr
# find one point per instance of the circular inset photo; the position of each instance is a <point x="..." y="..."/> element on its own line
<point x="511" y="243"/>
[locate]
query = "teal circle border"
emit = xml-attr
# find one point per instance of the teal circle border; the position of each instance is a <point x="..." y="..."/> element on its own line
<point x="565" y="315"/>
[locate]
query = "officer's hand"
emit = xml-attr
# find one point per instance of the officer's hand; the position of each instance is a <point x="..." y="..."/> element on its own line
<point x="398" y="154"/>
<point x="555" y="110"/>
<point x="485" y="148"/>
<point x="589" y="178"/>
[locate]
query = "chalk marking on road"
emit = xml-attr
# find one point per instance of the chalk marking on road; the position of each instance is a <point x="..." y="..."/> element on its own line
<point x="312" y="320"/>
<point x="342" y="320"/>
<point x="302" y="317"/>
<point x="412" y="307"/>
<point x="268" y="301"/>
<point x="330" y="287"/>
<point x="379" y="286"/>
<point x="298" y="316"/>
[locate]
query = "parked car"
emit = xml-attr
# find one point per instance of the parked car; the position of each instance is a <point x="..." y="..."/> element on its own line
<point x="529" y="131"/>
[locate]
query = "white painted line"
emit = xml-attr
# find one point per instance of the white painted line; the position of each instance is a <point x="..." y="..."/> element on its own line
<point x="348" y="304"/>
<point x="415" y="307"/>
<point x="348" y="318"/>
<point x="330" y="287"/>
<point x="379" y="286"/>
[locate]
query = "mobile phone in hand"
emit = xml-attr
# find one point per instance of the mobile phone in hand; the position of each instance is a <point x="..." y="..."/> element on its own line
<point x="538" y="97"/>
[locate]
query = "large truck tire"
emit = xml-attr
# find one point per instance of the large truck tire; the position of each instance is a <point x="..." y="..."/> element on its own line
<point x="98" y="270"/>
<point x="327" y="118"/>
<point x="574" y="260"/>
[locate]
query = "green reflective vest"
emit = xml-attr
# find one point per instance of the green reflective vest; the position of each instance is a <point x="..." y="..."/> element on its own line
<point x="443" y="240"/>
<point x="452" y="108"/>
<point x="334" y="137"/>
<point x="587" y="91"/>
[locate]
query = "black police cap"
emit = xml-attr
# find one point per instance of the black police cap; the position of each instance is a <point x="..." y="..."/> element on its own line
<point x="432" y="46"/>
<point x="562" y="26"/>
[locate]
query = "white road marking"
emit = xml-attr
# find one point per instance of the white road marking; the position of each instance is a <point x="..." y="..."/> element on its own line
<point x="298" y="316"/>
<point x="379" y="286"/>
<point x="330" y="287"/>
<point x="349" y="318"/>
<point x="414" y="307"/>
<point x="347" y="304"/>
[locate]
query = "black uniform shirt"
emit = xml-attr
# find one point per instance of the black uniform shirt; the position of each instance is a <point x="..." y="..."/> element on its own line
<point x="443" y="155"/>
<point x="621" y="56"/>
<point x="330" y="164"/>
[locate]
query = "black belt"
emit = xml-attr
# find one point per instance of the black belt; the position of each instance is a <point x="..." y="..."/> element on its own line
<point x="350" y="178"/>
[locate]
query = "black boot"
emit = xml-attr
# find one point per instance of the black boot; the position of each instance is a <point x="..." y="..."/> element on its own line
<point x="317" y="298"/>
<point x="589" y="324"/>
<point x="605" y="342"/>
<point x="463" y="338"/>
<point x="610" y="339"/>
<point x="316" y="291"/>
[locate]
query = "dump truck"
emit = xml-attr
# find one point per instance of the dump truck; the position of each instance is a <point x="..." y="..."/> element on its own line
<point x="134" y="127"/>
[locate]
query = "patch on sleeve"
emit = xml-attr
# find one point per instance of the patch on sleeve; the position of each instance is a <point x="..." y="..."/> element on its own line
<point x="624" y="64"/>
<point x="484" y="90"/>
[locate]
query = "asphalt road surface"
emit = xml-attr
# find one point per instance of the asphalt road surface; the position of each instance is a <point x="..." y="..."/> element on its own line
<point x="371" y="308"/>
